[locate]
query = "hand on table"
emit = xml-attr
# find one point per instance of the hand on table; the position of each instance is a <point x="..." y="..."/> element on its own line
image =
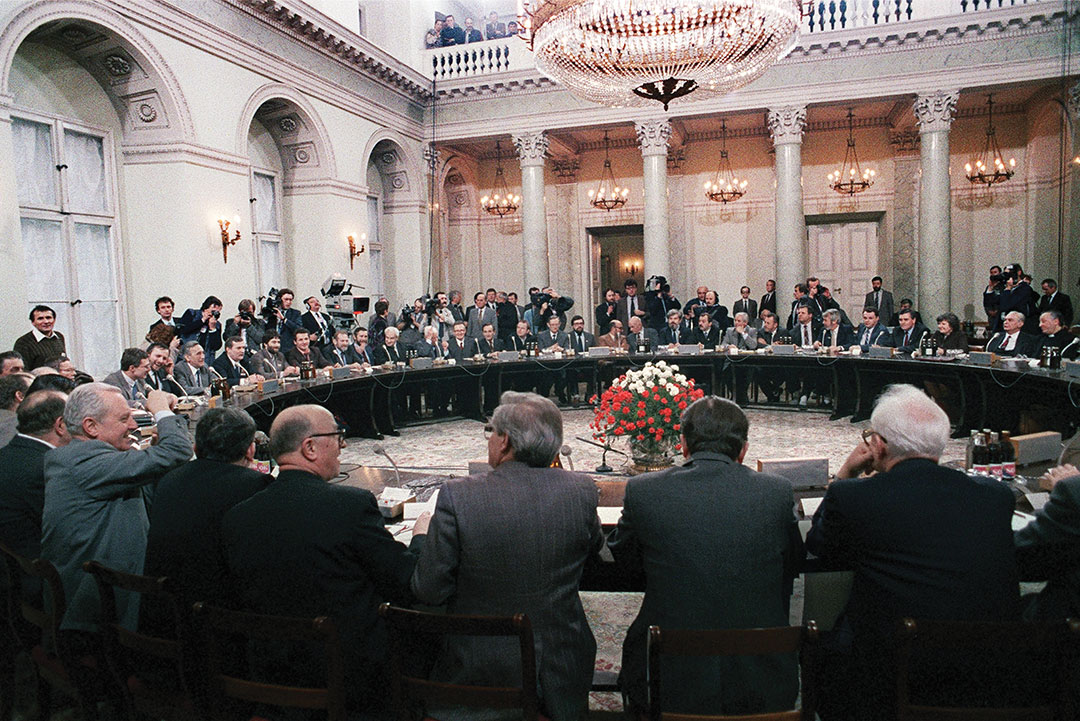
<point x="1051" y="477"/>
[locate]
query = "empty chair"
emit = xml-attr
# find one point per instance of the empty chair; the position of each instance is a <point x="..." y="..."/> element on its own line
<point x="730" y="642"/>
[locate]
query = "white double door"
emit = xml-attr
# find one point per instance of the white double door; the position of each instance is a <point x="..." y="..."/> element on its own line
<point x="844" y="257"/>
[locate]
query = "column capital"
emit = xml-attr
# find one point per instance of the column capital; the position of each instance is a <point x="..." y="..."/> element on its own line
<point x="1072" y="100"/>
<point x="531" y="148"/>
<point x="786" y="124"/>
<point x="653" y="136"/>
<point x="934" y="112"/>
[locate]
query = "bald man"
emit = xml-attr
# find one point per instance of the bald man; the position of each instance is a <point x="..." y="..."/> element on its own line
<point x="304" y="547"/>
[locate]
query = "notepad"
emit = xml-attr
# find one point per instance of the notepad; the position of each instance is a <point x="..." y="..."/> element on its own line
<point x="413" y="510"/>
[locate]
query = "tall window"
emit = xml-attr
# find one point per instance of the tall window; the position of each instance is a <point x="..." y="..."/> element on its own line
<point x="375" y="278"/>
<point x="63" y="175"/>
<point x="266" y="220"/>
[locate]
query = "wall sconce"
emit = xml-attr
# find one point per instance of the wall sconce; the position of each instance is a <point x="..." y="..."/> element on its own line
<point x="631" y="268"/>
<point x="353" y="252"/>
<point x="226" y="241"/>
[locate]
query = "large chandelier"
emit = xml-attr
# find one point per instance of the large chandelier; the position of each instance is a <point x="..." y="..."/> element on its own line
<point x="608" y="195"/>
<point x="500" y="202"/>
<point x="631" y="52"/>
<point x="725" y="187"/>
<point x="851" y="178"/>
<point x="989" y="168"/>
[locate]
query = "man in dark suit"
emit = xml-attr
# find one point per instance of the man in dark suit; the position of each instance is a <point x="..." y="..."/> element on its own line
<point x="905" y="304"/>
<point x="909" y="335"/>
<point x="551" y="341"/>
<point x="834" y="333"/>
<point x="229" y="364"/>
<point x="1055" y="335"/>
<point x="872" y="332"/>
<point x="658" y="303"/>
<point x="486" y="344"/>
<point x="745" y="304"/>
<point x="521" y="338"/>
<point x="605" y="312"/>
<point x="1048" y="548"/>
<point x="467" y="388"/>
<point x="630" y="304"/>
<point x="1012" y="341"/>
<point x="744" y="581"/>
<point x="674" y="333"/>
<point x="287" y="319"/>
<point x="1053" y="299"/>
<point x="451" y="34"/>
<point x="304" y="547"/>
<point x="164" y="307"/>
<point x="184" y="541"/>
<point x="804" y="381"/>
<point x="924" y="541"/>
<point x="390" y="351"/>
<point x="801" y="296"/>
<point x="641" y="337"/>
<point x="706" y="335"/>
<point x="359" y="351"/>
<point x="881" y="300"/>
<point x="203" y="324"/>
<point x="304" y="352"/>
<point x="494" y="29"/>
<point x="131" y="378"/>
<point x="768" y="301"/>
<point x="319" y="324"/>
<point x="580" y="341"/>
<point x="248" y="326"/>
<point x="471" y="563"/>
<point x="1017" y="295"/>
<point x="472" y="35"/>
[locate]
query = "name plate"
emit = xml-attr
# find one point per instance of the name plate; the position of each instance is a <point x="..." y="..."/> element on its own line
<point x="339" y="373"/>
<point x="1072" y="368"/>
<point x="783" y="350"/>
<point x="506" y="356"/>
<point x="980" y="358"/>
<point x="689" y="349"/>
<point x="877" y="351"/>
<point x="599" y="351"/>
<point x="269" y="385"/>
<point x="421" y="363"/>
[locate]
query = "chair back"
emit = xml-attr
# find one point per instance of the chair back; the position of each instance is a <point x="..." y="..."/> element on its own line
<point x="731" y="642"/>
<point x="220" y="629"/>
<point x="410" y="691"/>
<point x="1048" y="653"/>
<point x="49" y="611"/>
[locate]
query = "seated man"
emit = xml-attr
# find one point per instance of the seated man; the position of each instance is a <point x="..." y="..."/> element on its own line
<point x="339" y="349"/>
<point x="1054" y="334"/>
<point x="158" y="378"/>
<point x="924" y="541"/>
<point x="707" y="335"/>
<point x="871" y="332"/>
<point x="905" y="304"/>
<point x="359" y="352"/>
<point x="614" y="338"/>
<point x="580" y="341"/>
<point x="554" y="340"/>
<point x="304" y="352"/>
<point x="131" y="378"/>
<point x="94" y="505"/>
<point x="13" y="389"/>
<point x="228" y="365"/>
<point x="467" y="388"/>
<point x="184" y="542"/>
<point x="515" y="540"/>
<point x="521" y="337"/>
<point x="389" y="351"/>
<point x="743" y="337"/>
<point x="1048" y="548"/>
<point x="909" y="335"/>
<point x="1012" y="341"/>
<point x="305" y="547"/>
<point x="734" y="571"/>
<point x="769" y="380"/>
<point x="834" y="334"/>
<point x="641" y="339"/>
<point x="673" y="334"/>
<point x="11" y="362"/>
<point x="270" y="361"/>
<point x="486" y="344"/>
<point x="191" y="372"/>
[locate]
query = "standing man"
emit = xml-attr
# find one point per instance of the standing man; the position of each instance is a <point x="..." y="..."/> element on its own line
<point x="42" y="344"/>
<point x="472" y="35"/>
<point x="164" y="307"/>
<point x="494" y="29"/>
<point x="318" y="324"/>
<point x="878" y="299"/>
<point x="1052" y="299"/>
<point x="478" y="315"/>
<point x="745" y="304"/>
<point x="768" y="301"/>
<point x="288" y="319"/>
<point x="735" y="571"/>
<point x="631" y="304"/>
<point x="451" y="34"/>
<point x="605" y="312"/>
<point x="248" y="326"/>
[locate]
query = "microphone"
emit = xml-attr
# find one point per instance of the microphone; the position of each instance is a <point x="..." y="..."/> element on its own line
<point x="566" y="451"/>
<point x="378" y="448"/>
<point x="217" y="376"/>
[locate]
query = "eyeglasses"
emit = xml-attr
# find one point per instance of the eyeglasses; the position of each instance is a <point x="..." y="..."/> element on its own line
<point x="869" y="433"/>
<point x="340" y="433"/>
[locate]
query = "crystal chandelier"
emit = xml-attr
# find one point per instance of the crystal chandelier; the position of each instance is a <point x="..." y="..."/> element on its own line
<point x="500" y="202"/>
<point x="725" y="187"/>
<point x="981" y="173"/>
<point x="633" y="52"/>
<point x="608" y="195"/>
<point x="851" y="178"/>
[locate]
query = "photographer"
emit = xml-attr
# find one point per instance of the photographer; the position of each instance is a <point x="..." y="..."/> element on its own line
<point x="548" y="304"/>
<point x="658" y="301"/>
<point x="442" y="316"/>
<point x="282" y="317"/>
<point x="203" y="325"/>
<point x="246" y="325"/>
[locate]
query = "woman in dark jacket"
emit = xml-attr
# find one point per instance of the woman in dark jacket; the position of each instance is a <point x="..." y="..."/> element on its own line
<point x="948" y="335"/>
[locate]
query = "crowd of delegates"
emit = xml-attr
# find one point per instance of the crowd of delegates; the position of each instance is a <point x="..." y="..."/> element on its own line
<point x="447" y="32"/>
<point x="923" y="540"/>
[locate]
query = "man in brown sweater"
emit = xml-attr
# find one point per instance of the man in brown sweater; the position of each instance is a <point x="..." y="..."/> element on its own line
<point x="42" y="344"/>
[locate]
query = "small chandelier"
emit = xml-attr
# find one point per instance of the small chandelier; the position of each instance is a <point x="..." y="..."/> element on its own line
<point x="725" y="187"/>
<point x="635" y="52"/>
<point x="981" y="173"/>
<point x="608" y="195"/>
<point x="851" y="178"/>
<point x="500" y="202"/>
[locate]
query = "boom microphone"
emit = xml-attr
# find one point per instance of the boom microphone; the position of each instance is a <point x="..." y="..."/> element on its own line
<point x="378" y="448"/>
<point x="566" y="451"/>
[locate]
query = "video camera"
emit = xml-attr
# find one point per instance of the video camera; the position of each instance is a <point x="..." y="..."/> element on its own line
<point x="342" y="306"/>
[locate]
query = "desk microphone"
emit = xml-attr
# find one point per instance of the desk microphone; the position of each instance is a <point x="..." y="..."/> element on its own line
<point x="378" y="448"/>
<point x="566" y="451"/>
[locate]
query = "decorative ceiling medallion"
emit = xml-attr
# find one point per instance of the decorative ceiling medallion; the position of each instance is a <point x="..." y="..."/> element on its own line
<point x="147" y="113"/>
<point x="288" y="125"/>
<point x="117" y="66"/>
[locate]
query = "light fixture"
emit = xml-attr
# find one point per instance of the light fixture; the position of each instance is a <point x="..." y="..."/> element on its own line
<point x="226" y="241"/>
<point x="725" y="187"/>
<point x="608" y="195"/>
<point x="989" y="169"/>
<point x="353" y="252"/>
<point x="851" y="178"/>
<point x="634" y="52"/>
<point x="500" y="202"/>
<point x="631" y="268"/>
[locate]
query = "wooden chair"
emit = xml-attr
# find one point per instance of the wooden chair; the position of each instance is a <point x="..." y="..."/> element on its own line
<point x="219" y="630"/>
<point x="731" y="642"/>
<point x="1056" y="646"/>
<point x="411" y="691"/>
<point x="132" y="654"/>
<point x="55" y="664"/>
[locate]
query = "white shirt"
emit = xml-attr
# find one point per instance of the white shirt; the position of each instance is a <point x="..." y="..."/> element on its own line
<point x="38" y="440"/>
<point x="1010" y="341"/>
<point x="39" y="336"/>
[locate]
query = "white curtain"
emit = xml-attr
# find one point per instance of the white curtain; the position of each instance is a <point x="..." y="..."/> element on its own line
<point x="46" y="281"/>
<point x="35" y="168"/>
<point x="265" y="204"/>
<point x="85" y="158"/>
<point x="100" y="328"/>
<point x="270" y="262"/>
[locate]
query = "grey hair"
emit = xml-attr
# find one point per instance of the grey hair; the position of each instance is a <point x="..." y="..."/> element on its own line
<point x="391" y="331"/>
<point x="534" y="425"/>
<point x="744" y="316"/>
<point x="910" y="422"/>
<point x="1017" y="316"/>
<point x="187" y="348"/>
<point x="832" y="314"/>
<point x="675" y="312"/>
<point x="86" y="401"/>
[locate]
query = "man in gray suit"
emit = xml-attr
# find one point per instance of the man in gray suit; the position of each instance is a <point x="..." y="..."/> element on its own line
<point x="639" y="335"/>
<point x="515" y="540"/>
<point x="94" y="506"/>
<point x="720" y="547"/>
<point x="880" y="299"/>
<point x="191" y="372"/>
<point x="131" y="378"/>
<point x="479" y="315"/>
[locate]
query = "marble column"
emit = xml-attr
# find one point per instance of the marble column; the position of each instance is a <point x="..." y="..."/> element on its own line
<point x="531" y="148"/>
<point x="1070" y="263"/>
<point x="653" y="136"/>
<point x="934" y="113"/>
<point x="786" y="126"/>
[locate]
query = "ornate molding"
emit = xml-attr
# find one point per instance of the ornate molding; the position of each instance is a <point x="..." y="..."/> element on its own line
<point x="531" y="148"/>
<point x="653" y="136"/>
<point x="935" y="112"/>
<point x="905" y="142"/>
<point x="566" y="168"/>
<point x="786" y="124"/>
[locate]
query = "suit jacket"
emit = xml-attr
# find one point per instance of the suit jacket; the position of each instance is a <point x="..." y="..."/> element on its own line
<point x="545" y="340"/>
<point x="603" y="318"/>
<point x="710" y="339"/>
<point x="22" y="494"/>
<point x="287" y="327"/>
<point x="507" y="316"/>
<point x="184" y="542"/>
<point x="1048" y="549"/>
<point x="1061" y="303"/>
<point x="768" y="302"/>
<point x="609" y="341"/>
<point x="494" y="30"/>
<point x="117" y="379"/>
<point x="303" y="547"/>
<point x="957" y="340"/>
<point x="228" y="371"/>
<point x="879" y="335"/>
<point x="917" y="332"/>
<point x="510" y="541"/>
<point x="668" y="336"/>
<point x="657" y="308"/>
<point x="456" y="350"/>
<point x="193" y="328"/>
<point x="479" y="346"/>
<point x="924" y="541"/>
<point x="1020" y="298"/>
<point x="885" y="307"/>
<point x="733" y="337"/>
<point x="1025" y="345"/>
<point x="734" y="570"/>
<point x="354" y="356"/>
<point x="318" y="336"/>
<point x="769" y="337"/>
<point x="748" y="306"/>
<point x="337" y="357"/>
<point x="845" y="336"/>
<point x="622" y="310"/>
<point x="191" y="380"/>
<point x="384" y="353"/>
<point x="587" y="341"/>
<point x="95" y="511"/>
<point x="296" y="358"/>
<point x="649" y="337"/>
<point x="254" y="336"/>
<point x="267" y="364"/>
<point x="9" y="424"/>
<point x="476" y="321"/>
<point x="516" y="342"/>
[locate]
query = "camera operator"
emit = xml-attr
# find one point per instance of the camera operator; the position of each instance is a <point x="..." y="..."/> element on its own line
<point x="203" y="325"/>
<point x="658" y="301"/>
<point x="549" y="303"/>
<point x="246" y="325"/>
<point x="282" y="317"/>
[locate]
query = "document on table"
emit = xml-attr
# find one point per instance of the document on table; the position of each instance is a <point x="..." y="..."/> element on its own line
<point x="413" y="510"/>
<point x="1021" y="519"/>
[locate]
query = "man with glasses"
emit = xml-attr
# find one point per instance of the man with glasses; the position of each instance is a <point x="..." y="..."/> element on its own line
<point x="306" y="547"/>
<point x="924" y="541"/>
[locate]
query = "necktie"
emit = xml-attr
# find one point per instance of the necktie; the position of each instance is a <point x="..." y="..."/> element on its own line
<point x="675" y="334"/>
<point x="806" y="335"/>
<point x="907" y="338"/>
<point x="832" y="337"/>
<point x="633" y="305"/>
<point x="877" y="299"/>
<point x="865" y="337"/>
<point x="134" y="390"/>
<point x="1009" y="341"/>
